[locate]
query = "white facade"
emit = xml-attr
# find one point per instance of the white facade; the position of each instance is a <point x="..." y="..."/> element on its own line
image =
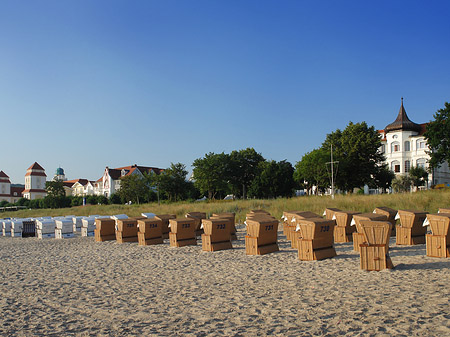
<point x="109" y="183"/>
<point x="78" y="189"/>
<point x="404" y="146"/>
<point x="35" y="180"/>
<point x="5" y="187"/>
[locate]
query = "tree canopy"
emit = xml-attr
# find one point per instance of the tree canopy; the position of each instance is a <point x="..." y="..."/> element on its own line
<point x="438" y="137"/>
<point x="418" y="175"/>
<point x="274" y="179"/>
<point x="172" y="183"/>
<point x="312" y="169"/>
<point x="211" y="173"/>
<point x="134" y="188"/>
<point x="357" y="150"/>
<point x="243" y="168"/>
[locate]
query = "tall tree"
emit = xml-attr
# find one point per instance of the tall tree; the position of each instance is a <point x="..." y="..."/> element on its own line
<point x="402" y="183"/>
<point x="312" y="169"/>
<point x="211" y="174"/>
<point x="383" y="178"/>
<point x="55" y="188"/>
<point x="418" y="175"/>
<point x="134" y="188"/>
<point x="275" y="179"/>
<point x="243" y="168"/>
<point x="172" y="182"/>
<point x="356" y="149"/>
<point x="438" y="137"/>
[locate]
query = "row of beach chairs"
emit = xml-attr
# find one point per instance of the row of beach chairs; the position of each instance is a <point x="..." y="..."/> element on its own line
<point x="217" y="232"/>
<point x="312" y="235"/>
<point x="369" y="232"/>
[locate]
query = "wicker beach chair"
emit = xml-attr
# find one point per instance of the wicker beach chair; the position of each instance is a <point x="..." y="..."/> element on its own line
<point x="374" y="251"/>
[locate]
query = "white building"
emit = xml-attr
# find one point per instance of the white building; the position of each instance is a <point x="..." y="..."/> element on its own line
<point x="109" y="183"/>
<point x="35" y="180"/>
<point x="404" y="146"/>
<point x="7" y="192"/>
<point x="83" y="187"/>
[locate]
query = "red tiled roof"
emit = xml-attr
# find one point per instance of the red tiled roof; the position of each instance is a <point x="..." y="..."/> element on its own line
<point x="31" y="173"/>
<point x="35" y="166"/>
<point x="18" y="190"/>
<point x="3" y="175"/>
<point x="34" y="190"/>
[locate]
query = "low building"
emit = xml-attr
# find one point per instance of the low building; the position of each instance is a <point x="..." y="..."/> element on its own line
<point x="83" y="187"/>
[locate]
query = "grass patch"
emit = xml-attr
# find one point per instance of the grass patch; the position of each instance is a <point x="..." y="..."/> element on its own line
<point x="429" y="201"/>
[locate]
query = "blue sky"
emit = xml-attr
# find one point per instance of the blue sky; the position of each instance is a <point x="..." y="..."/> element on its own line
<point x="89" y="84"/>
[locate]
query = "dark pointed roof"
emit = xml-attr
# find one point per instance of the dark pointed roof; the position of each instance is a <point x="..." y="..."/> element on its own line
<point x="403" y="123"/>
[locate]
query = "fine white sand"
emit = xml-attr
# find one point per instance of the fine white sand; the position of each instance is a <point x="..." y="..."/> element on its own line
<point x="80" y="287"/>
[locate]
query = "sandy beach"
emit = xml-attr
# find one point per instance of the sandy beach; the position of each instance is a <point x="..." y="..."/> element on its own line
<point x="79" y="287"/>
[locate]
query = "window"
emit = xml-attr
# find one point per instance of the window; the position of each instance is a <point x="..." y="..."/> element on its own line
<point x="395" y="147"/>
<point x="382" y="148"/>
<point x="421" y="144"/>
<point x="395" y="166"/>
<point x="421" y="162"/>
<point x="407" y="166"/>
<point x="407" y="146"/>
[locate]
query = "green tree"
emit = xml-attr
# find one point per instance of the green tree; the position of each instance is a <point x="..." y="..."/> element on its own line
<point x="55" y="188"/>
<point x="23" y="202"/>
<point x="243" y="168"/>
<point x="418" y="175"/>
<point x="76" y="201"/>
<point x="312" y="169"/>
<point x="383" y="178"/>
<point x="134" y="188"/>
<point x="274" y="179"/>
<point x="56" y="195"/>
<point x="438" y="137"/>
<point x="211" y="174"/>
<point x="356" y="149"/>
<point x="115" y="199"/>
<point x="92" y="200"/>
<point x="402" y="183"/>
<point x="172" y="182"/>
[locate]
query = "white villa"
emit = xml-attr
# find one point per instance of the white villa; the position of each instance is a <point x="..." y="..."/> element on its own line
<point x="109" y="183"/>
<point x="404" y="146"/>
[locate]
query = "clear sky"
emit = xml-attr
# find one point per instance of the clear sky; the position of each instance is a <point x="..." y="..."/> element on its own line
<point x="88" y="84"/>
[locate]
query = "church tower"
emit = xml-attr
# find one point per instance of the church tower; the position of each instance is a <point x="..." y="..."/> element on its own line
<point x="59" y="175"/>
<point x="35" y="179"/>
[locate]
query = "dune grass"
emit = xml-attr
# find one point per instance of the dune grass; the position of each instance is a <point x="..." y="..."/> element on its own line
<point x="429" y="201"/>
